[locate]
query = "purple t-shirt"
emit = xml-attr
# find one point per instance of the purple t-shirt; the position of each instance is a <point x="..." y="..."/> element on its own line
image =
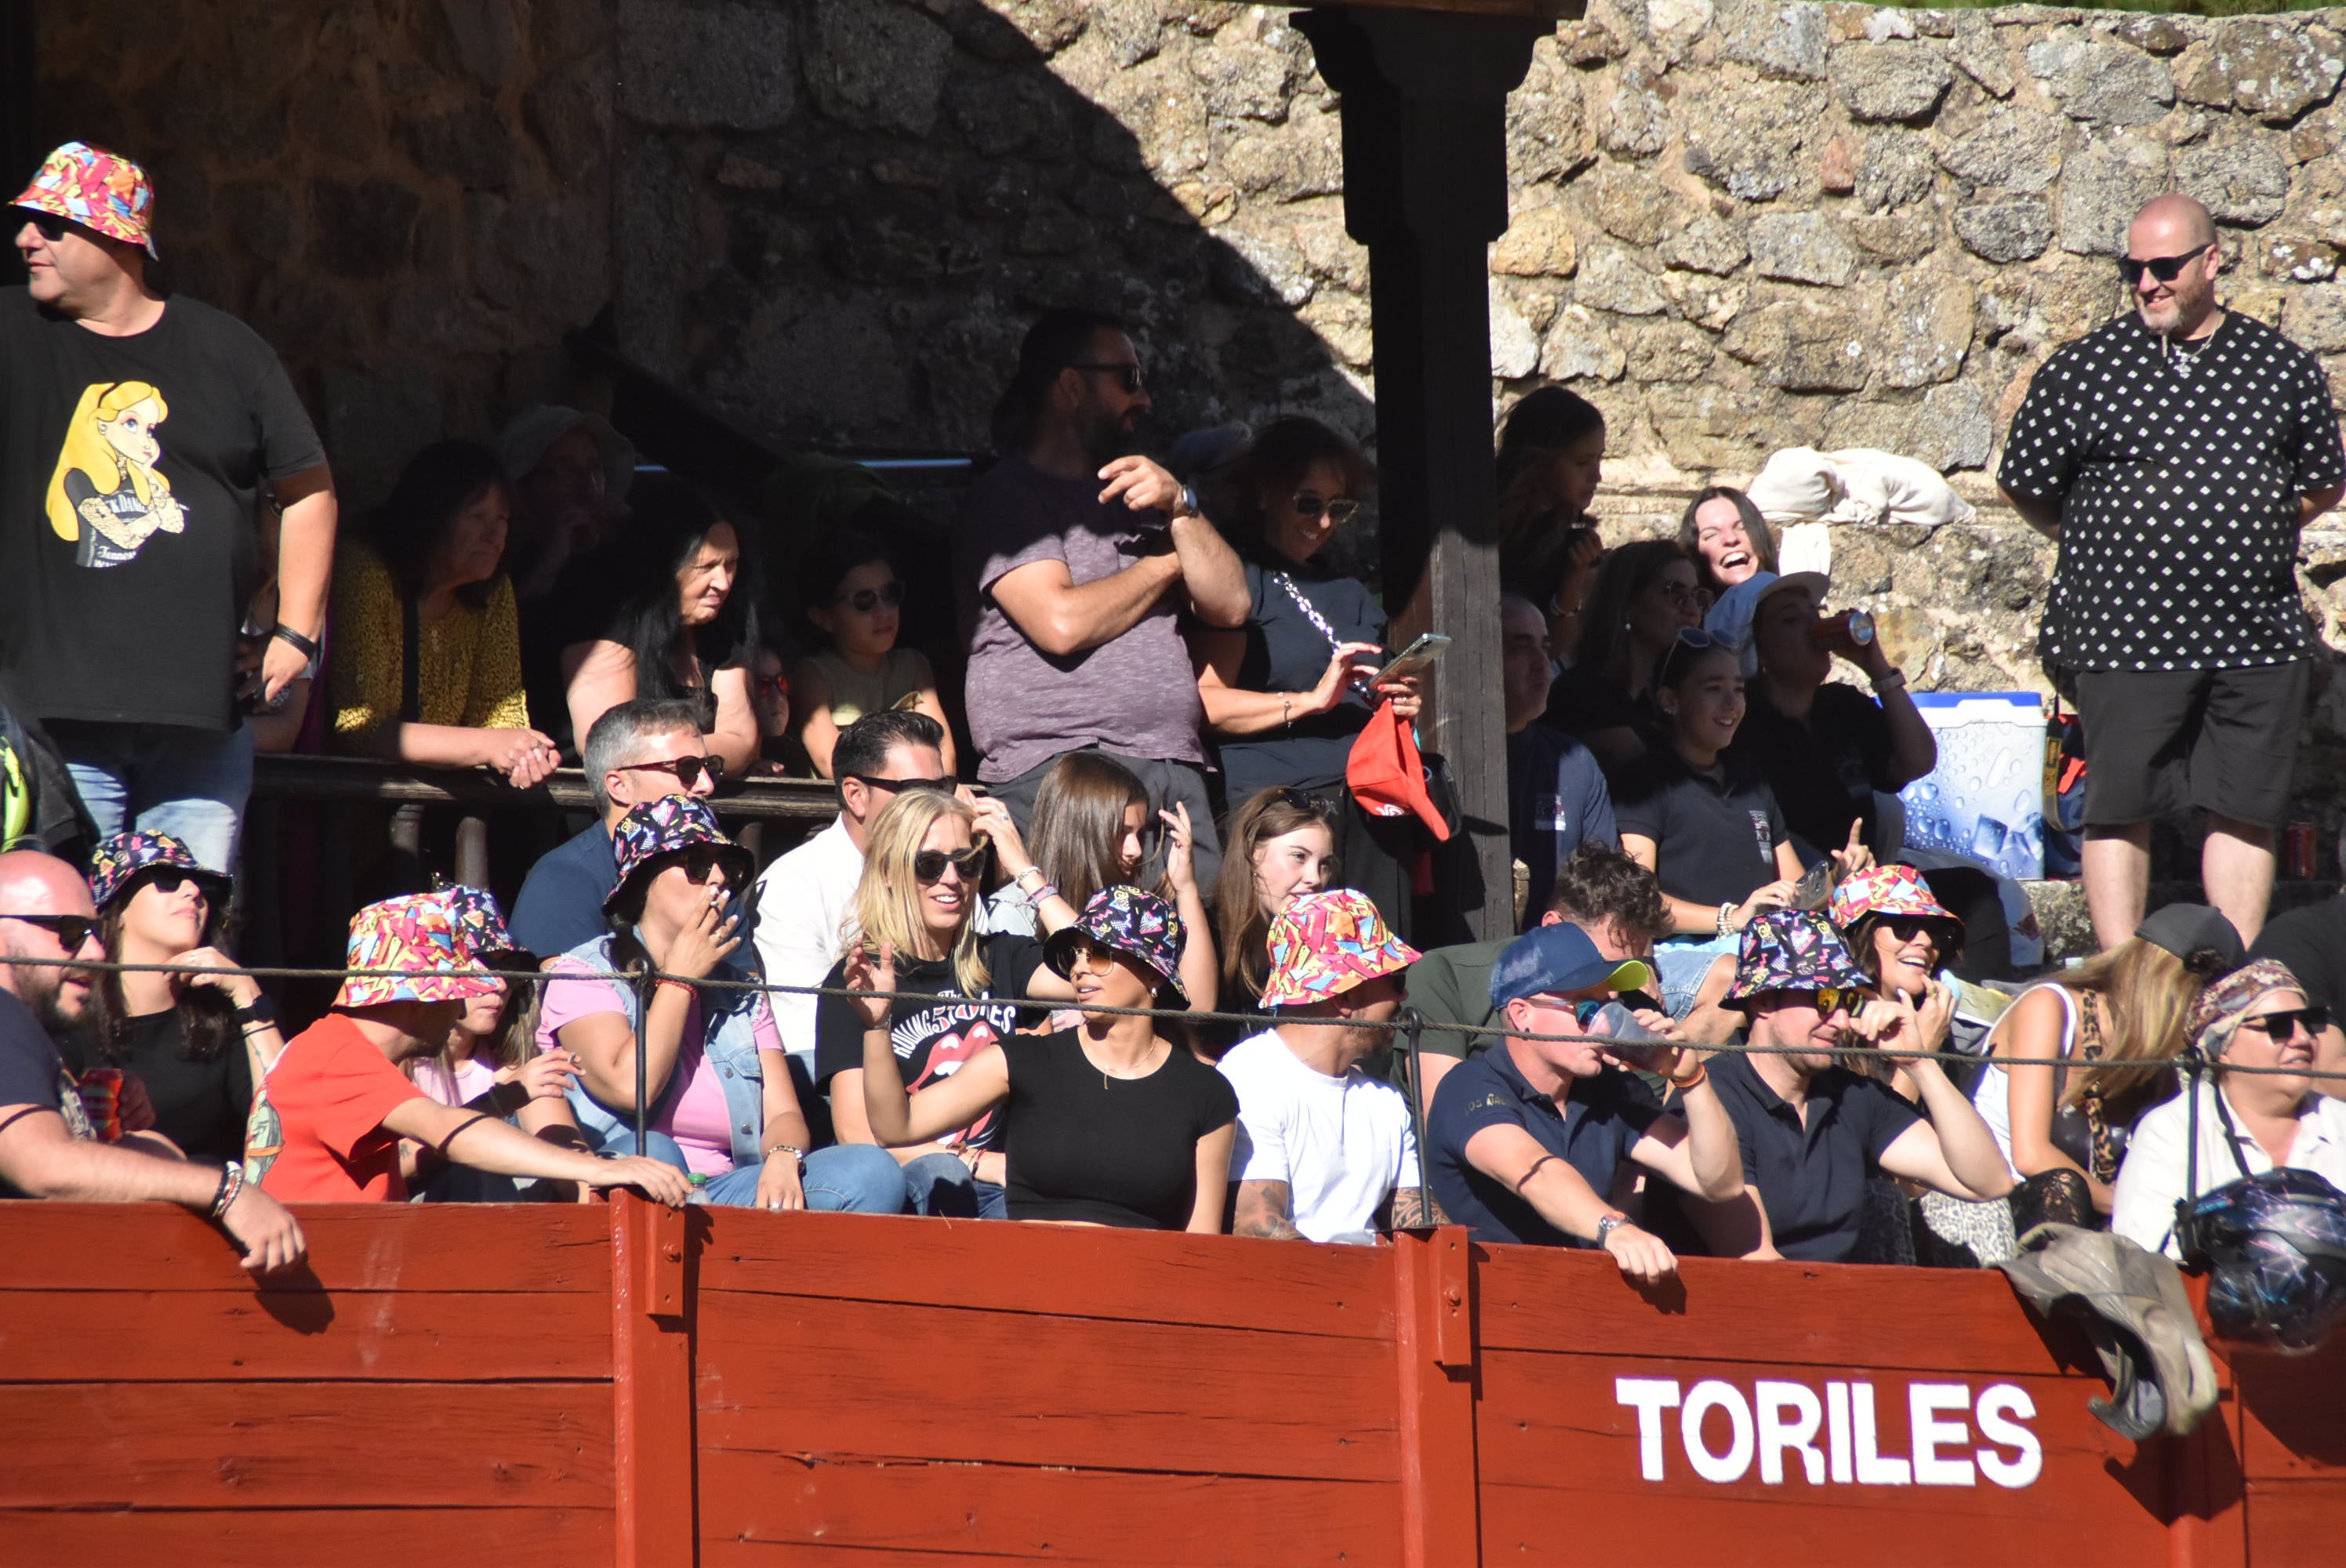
<point x="1135" y="695"/>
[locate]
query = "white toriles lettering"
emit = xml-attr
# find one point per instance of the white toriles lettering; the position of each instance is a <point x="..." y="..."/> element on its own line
<point x="1780" y="1416"/>
<point x="1650" y="1397"/>
<point x="1998" y="1407"/>
<point x="1796" y="1431"/>
<point x="1705" y="1397"/>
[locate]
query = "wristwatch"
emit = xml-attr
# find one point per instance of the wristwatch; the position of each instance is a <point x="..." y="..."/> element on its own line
<point x="1607" y="1224"/>
<point x="261" y="1010"/>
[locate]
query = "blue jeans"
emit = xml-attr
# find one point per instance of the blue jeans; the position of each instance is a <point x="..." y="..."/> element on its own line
<point x="941" y="1185"/>
<point x="850" y="1178"/>
<point x="1680" y="963"/>
<point x="163" y="778"/>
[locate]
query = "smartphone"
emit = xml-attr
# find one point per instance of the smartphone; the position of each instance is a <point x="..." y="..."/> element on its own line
<point x="1419" y="656"/>
<point x="1814" y="890"/>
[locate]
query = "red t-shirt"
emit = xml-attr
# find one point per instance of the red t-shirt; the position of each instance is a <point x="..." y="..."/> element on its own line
<point x="329" y="1092"/>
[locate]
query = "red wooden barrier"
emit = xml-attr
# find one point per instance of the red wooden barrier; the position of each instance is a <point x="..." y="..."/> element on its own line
<point x="636" y="1385"/>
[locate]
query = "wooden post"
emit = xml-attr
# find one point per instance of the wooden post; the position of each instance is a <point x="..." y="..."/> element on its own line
<point x="1434" y="1336"/>
<point x="1425" y="189"/>
<point x="651" y="1385"/>
<point x="472" y="850"/>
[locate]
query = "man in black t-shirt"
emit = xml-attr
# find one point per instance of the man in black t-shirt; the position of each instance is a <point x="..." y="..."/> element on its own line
<point x="2176" y="452"/>
<point x="46" y="1149"/>
<point x="137" y="433"/>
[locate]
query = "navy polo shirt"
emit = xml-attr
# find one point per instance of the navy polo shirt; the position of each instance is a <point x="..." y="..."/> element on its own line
<point x="561" y="903"/>
<point x="1600" y="1121"/>
<point x="1812" y="1178"/>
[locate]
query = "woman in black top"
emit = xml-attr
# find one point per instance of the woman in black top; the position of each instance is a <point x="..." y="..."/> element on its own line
<point x="1551" y="457"/>
<point x="197" y="1041"/>
<point x="1107" y="1124"/>
<point x="1644" y="596"/>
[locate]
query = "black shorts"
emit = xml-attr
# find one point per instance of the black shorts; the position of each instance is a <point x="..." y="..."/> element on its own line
<point x="2224" y="740"/>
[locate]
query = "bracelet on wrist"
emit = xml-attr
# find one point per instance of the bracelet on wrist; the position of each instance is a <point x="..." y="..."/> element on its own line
<point x="1701" y="1076"/>
<point x="1890" y="681"/>
<point x="1029" y="871"/>
<point x="259" y="1010"/>
<point x="232" y="1183"/>
<point x="684" y="985"/>
<point x="1725" y="919"/>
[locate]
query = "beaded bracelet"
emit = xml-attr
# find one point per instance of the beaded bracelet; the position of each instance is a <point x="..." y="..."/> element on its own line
<point x="232" y="1183"/>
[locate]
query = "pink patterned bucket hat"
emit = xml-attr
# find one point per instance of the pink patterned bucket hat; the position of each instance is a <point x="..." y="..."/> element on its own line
<point x="415" y="935"/>
<point x="1324" y="944"/>
<point x="98" y="189"/>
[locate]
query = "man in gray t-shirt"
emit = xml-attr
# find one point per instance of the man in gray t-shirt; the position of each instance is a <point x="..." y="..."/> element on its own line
<point x="1072" y="581"/>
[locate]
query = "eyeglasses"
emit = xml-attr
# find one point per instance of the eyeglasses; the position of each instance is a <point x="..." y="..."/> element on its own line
<point x="929" y="865"/>
<point x="946" y="783"/>
<point x="863" y="601"/>
<point x="71" y="930"/>
<point x="2165" y="268"/>
<point x="1338" y="510"/>
<point x="1680" y="595"/>
<point x="687" y="769"/>
<point x="2283" y="1025"/>
<point x="1129" y="374"/>
<point x="702" y="863"/>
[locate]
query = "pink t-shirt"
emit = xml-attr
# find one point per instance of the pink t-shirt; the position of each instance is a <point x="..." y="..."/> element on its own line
<point x="473" y="1079"/>
<point x="696" y="1117"/>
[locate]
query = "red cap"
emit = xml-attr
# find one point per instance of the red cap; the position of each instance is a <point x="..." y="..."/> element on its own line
<point x="1386" y="775"/>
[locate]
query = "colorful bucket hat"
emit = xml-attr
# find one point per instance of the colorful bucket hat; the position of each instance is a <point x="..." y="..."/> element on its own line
<point x="1324" y="944"/>
<point x="98" y="189"/>
<point x="670" y="826"/>
<point x="1550" y="960"/>
<point x="415" y="935"/>
<point x="2216" y="1013"/>
<point x="120" y="857"/>
<point x="1897" y="892"/>
<point x="481" y="933"/>
<point x="1124" y="920"/>
<point x="1793" y="950"/>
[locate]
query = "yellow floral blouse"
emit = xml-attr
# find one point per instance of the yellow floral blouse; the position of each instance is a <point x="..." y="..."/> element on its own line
<point x="467" y="672"/>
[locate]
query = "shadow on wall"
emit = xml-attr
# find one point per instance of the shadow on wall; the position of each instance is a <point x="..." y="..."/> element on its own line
<point x="836" y="217"/>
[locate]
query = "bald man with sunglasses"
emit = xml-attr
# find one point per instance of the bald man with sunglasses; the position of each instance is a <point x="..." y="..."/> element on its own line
<point x="2174" y="453"/>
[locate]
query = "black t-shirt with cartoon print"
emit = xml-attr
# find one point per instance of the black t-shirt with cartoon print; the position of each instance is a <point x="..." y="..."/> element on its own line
<point x="130" y="468"/>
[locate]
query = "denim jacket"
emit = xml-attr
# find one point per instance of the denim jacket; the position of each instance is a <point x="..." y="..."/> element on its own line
<point x="728" y="1037"/>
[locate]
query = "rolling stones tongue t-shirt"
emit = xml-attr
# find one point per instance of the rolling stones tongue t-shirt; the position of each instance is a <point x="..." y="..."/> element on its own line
<point x="130" y="468"/>
<point x="932" y="1039"/>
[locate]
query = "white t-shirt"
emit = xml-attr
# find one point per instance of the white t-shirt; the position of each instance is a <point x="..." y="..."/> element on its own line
<point x="801" y="900"/>
<point x="1342" y="1145"/>
<point x="2143" y="1206"/>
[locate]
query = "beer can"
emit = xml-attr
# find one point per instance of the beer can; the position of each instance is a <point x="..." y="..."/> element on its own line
<point x="2297" y="845"/>
<point x="1846" y="633"/>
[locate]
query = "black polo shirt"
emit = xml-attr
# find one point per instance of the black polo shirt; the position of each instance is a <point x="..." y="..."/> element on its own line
<point x="1601" y="1121"/>
<point x="1716" y="833"/>
<point x="1812" y="1178"/>
<point x="1823" y="771"/>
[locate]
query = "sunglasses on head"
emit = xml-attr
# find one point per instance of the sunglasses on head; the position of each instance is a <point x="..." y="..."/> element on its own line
<point x="893" y="785"/>
<point x="687" y="769"/>
<point x="2165" y="268"/>
<point x="929" y="865"/>
<point x="1693" y="639"/>
<point x="1311" y="503"/>
<point x="72" y="931"/>
<point x="2283" y="1025"/>
<point x="1128" y="374"/>
<point x="863" y="601"/>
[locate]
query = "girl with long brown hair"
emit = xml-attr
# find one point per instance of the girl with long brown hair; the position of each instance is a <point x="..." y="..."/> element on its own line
<point x="1279" y="845"/>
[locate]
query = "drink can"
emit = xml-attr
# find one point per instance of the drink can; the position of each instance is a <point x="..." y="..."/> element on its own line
<point x="2298" y="846"/>
<point x="1845" y="633"/>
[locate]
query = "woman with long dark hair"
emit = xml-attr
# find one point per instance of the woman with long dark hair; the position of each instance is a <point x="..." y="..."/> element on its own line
<point x="1278" y="846"/>
<point x="197" y="1041"/>
<point x="1551" y="458"/>
<point x="1722" y="532"/>
<point x="690" y="628"/>
<point x="425" y="661"/>
<point x="1645" y="595"/>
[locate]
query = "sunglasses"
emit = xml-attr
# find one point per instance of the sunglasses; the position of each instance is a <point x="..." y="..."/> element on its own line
<point x="703" y="864"/>
<point x="1832" y="999"/>
<point x="2165" y="268"/>
<point x="893" y="785"/>
<point x="2283" y="1025"/>
<point x="70" y="930"/>
<point x="1906" y="928"/>
<point x="1128" y="374"/>
<point x="1689" y="638"/>
<point x="49" y="226"/>
<point x="170" y="880"/>
<point x="687" y="769"/>
<point x="1339" y="510"/>
<point x="863" y="601"/>
<point x="929" y="865"/>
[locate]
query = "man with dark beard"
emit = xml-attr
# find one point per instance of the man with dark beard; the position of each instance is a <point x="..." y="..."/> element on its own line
<point x="45" y="1147"/>
<point x="1074" y="560"/>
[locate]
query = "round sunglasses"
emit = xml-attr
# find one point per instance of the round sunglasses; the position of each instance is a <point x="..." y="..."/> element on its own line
<point x="863" y="601"/>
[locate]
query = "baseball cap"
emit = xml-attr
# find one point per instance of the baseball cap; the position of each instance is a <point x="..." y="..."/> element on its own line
<point x="2186" y="928"/>
<point x="1560" y="957"/>
<point x="1387" y="775"/>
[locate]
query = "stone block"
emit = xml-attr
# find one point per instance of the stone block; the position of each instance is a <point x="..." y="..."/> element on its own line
<point x="873" y="64"/>
<point x="1704" y="425"/>
<point x="1899" y="80"/>
<point x="1610" y="280"/>
<point x="375" y="418"/>
<point x="2301" y="258"/>
<point x="485" y="36"/>
<point x="1548" y="129"/>
<point x="2013" y="149"/>
<point x="1708" y="302"/>
<point x="727" y="65"/>
<point x="1636" y="117"/>
<point x="362" y="230"/>
<point x="1243" y="80"/>
<point x="1978" y="52"/>
<point x="1664" y="350"/>
<point x="1926" y="330"/>
<point x="1706" y="243"/>
<point x="1537" y="244"/>
<point x="1134" y="29"/>
<point x="1514" y="347"/>
<point x="2153" y="34"/>
<point x="2243" y="182"/>
<point x="1783" y="41"/>
<point x="1801" y="248"/>
<point x="1906" y="236"/>
<point x="2015" y="230"/>
<point x="469" y="145"/>
<point x="2102" y="184"/>
<point x="2274" y="70"/>
<point x="1626" y="202"/>
<point x="2108" y="83"/>
<point x="1800" y="346"/>
<point x="1836" y="169"/>
<point x="996" y="116"/>
<point x="2315" y="318"/>
<point x="569" y="113"/>
<point x="1894" y="172"/>
<point x="1749" y="145"/>
<point x="260" y="217"/>
<point x="1578" y="348"/>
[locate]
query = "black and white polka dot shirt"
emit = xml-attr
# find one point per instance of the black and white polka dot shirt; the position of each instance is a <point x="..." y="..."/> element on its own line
<point x="2178" y="474"/>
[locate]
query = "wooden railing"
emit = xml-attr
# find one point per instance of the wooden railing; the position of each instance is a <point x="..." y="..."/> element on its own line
<point x="633" y="1385"/>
